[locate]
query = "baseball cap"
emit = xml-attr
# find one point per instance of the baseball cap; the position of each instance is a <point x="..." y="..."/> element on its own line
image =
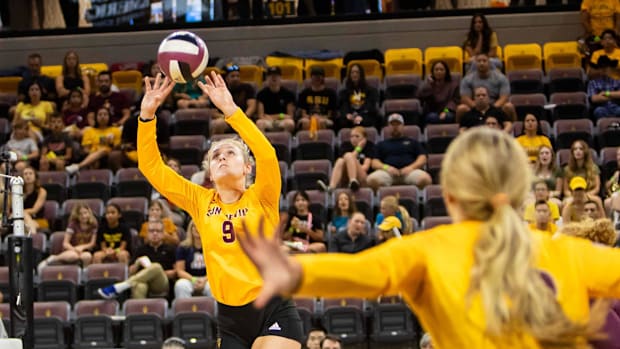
<point x="274" y="71"/>
<point x="390" y="223"/>
<point x="396" y="117"/>
<point x="316" y="70"/>
<point x="578" y="183"/>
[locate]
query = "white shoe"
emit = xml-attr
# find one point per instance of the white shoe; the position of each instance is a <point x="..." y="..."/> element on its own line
<point x="72" y="169"/>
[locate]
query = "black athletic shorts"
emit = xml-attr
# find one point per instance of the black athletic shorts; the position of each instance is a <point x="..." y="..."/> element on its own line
<point x="238" y="327"/>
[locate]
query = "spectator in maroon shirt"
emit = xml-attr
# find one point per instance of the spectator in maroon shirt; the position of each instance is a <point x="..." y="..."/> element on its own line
<point x="115" y="102"/>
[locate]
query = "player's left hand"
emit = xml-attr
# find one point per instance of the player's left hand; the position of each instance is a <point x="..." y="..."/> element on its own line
<point x="281" y="274"/>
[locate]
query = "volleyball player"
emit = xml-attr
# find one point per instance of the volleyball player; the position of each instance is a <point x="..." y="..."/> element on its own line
<point x="218" y="214"/>
<point x="485" y="281"/>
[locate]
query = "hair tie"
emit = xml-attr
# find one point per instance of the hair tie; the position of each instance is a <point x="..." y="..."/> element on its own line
<point x="499" y="199"/>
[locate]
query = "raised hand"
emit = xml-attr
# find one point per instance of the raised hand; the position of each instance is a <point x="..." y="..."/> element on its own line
<point x="215" y="88"/>
<point x="281" y="274"/>
<point x="155" y="93"/>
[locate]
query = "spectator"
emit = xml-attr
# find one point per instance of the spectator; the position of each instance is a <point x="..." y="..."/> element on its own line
<point x="612" y="186"/>
<point x="243" y="94"/>
<point x="72" y="78"/>
<point x="481" y="39"/>
<point x="358" y="101"/>
<point x="390" y="227"/>
<point x="604" y="91"/>
<point x="532" y="137"/>
<point x="34" y="199"/>
<point x="481" y="111"/>
<point x="389" y="207"/>
<point x="591" y="210"/>
<point x="398" y="159"/>
<point x="354" y="161"/>
<point x="609" y="41"/>
<point x="546" y="167"/>
<point x="97" y="142"/>
<point x="426" y="342"/>
<point x="127" y="155"/>
<point x="113" y="237"/>
<point x="303" y="231"/>
<point x="315" y="337"/>
<point x="35" y="111"/>
<point x="354" y="239"/>
<point x="497" y="86"/>
<point x="317" y="101"/>
<point x="598" y="15"/>
<point x="439" y="95"/>
<point x="80" y="239"/>
<point x="57" y="147"/>
<point x="155" y="259"/>
<point x="33" y="74"/>
<point x="24" y="147"/>
<point x="574" y="210"/>
<point x="159" y="211"/>
<point x="190" y="266"/>
<point x="276" y="104"/>
<point x="331" y="342"/>
<point x="189" y="95"/>
<point x="344" y="210"/>
<point x="542" y="220"/>
<point x="541" y="193"/>
<point x="115" y="102"/>
<point x="580" y="164"/>
<point x="74" y="114"/>
<point x="202" y="177"/>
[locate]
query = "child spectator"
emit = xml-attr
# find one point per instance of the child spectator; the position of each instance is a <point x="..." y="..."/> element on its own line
<point x="113" y="238"/>
<point x="358" y="101"/>
<point x="439" y="95"/>
<point x="345" y="208"/>
<point x="532" y="137"/>
<point x="390" y="227"/>
<point x="158" y="211"/>
<point x="389" y="207"/>
<point x="98" y="142"/>
<point x="303" y="231"/>
<point x="190" y="266"/>
<point x="57" y="147"/>
<point x="276" y="104"/>
<point x="189" y="95"/>
<point x="80" y="239"/>
<point x="543" y="220"/>
<point x="24" y="146"/>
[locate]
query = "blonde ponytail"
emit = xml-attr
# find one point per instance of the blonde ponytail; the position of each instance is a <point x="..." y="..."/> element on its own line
<point x="514" y="295"/>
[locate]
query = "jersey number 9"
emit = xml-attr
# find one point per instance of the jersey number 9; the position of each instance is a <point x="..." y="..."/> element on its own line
<point x="228" y="232"/>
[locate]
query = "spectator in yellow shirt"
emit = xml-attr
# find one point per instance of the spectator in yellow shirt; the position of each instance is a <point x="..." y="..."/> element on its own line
<point x="609" y="41"/>
<point x="541" y="193"/>
<point x="598" y="15"/>
<point x="543" y="221"/>
<point x="532" y="137"/>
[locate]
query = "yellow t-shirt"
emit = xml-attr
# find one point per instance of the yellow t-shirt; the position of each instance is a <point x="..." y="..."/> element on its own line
<point x="95" y="139"/>
<point x="233" y="278"/>
<point x="551" y="228"/>
<point x="602" y="13"/>
<point x="39" y="112"/>
<point x="530" y="211"/>
<point x="615" y="73"/>
<point x="432" y="269"/>
<point x="533" y="144"/>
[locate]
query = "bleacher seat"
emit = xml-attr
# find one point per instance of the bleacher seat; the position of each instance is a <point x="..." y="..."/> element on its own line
<point x="143" y="326"/>
<point x="568" y="131"/>
<point x="131" y="79"/>
<point x="50" y="321"/>
<point x="522" y="57"/>
<point x="608" y="133"/>
<point x="545" y="127"/>
<point x="282" y="142"/>
<point x="345" y="318"/>
<point x="8" y="84"/>
<point x="4" y="283"/>
<point x="433" y="165"/>
<point x="333" y="83"/>
<point x="314" y="148"/>
<point x="51" y="212"/>
<point x="251" y="74"/>
<point x="331" y="67"/>
<point x="55" y="183"/>
<point x="569" y="105"/>
<point x="93" y="324"/>
<point x="292" y="67"/>
<point x="403" y="61"/>
<point x="566" y="80"/>
<point x="92" y="184"/>
<point x="434" y="205"/>
<point x="130" y="182"/>
<point x="194" y="121"/>
<point x="608" y="162"/>
<point x="305" y="173"/>
<point x="188" y="149"/>
<point x="562" y="156"/>
<point x="188" y="170"/>
<point x="344" y="135"/>
<point x="51" y="70"/>
<point x="371" y="67"/>
<point x="530" y="104"/>
<point x="59" y="283"/>
<point x="526" y="81"/>
<point x="431" y="222"/>
<point x="439" y="136"/>
<point x="96" y="205"/>
<point x="452" y="55"/>
<point x="409" y="108"/>
<point x="194" y="320"/>
<point x="401" y="86"/>
<point x="5" y="129"/>
<point x="306" y="307"/>
<point x="561" y="55"/>
<point x="99" y="275"/>
<point x="392" y="323"/>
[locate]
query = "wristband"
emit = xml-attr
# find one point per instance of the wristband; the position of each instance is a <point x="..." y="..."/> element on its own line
<point x="446" y="110"/>
<point x="24" y="157"/>
<point x="607" y="93"/>
<point x="194" y="279"/>
<point x="145" y="120"/>
<point x="118" y="250"/>
<point x="385" y="167"/>
<point x="358" y="149"/>
<point x="281" y="116"/>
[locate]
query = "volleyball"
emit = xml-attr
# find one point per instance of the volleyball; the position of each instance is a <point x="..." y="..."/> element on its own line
<point x="182" y="56"/>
